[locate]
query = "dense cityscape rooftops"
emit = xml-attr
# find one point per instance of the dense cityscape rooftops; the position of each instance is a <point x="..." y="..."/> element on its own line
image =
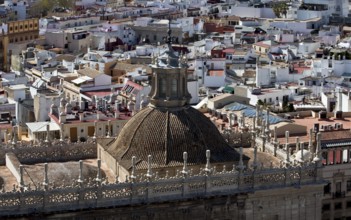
<point x="246" y="103"/>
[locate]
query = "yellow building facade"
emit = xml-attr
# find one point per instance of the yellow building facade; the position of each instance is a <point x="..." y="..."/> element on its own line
<point x="17" y="32"/>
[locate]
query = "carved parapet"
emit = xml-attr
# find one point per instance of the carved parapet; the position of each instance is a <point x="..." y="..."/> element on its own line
<point x="90" y="194"/>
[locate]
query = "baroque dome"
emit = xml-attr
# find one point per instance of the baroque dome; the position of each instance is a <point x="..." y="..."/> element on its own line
<point x="165" y="133"/>
<point x="168" y="126"/>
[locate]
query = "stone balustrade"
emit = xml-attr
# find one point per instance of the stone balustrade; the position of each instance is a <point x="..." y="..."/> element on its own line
<point x="49" y="152"/>
<point x="99" y="193"/>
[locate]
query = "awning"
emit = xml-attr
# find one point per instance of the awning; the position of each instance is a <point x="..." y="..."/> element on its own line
<point x="336" y="144"/>
<point x="41" y="126"/>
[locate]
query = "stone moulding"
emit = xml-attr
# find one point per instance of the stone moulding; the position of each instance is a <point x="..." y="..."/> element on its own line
<point x="92" y="194"/>
<point x="50" y="152"/>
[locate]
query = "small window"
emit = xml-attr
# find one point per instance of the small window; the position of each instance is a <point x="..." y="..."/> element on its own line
<point x="348" y="186"/>
<point x="348" y="204"/>
<point x="325" y="207"/>
<point x="337" y="205"/>
<point x="327" y="189"/>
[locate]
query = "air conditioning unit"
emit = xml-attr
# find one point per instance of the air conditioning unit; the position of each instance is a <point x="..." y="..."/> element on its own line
<point x="337" y="126"/>
<point x="330" y="127"/>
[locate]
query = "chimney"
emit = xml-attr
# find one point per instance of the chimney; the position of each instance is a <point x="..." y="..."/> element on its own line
<point x="116" y="114"/>
<point x="81" y="116"/>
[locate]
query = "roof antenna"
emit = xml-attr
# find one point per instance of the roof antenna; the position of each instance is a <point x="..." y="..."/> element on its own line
<point x="169" y="32"/>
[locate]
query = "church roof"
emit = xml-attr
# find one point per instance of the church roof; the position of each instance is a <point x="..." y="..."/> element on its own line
<point x="166" y="134"/>
<point x="169" y="126"/>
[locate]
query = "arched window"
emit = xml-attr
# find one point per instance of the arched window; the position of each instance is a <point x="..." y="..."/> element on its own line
<point x="163" y="87"/>
<point x="174" y="88"/>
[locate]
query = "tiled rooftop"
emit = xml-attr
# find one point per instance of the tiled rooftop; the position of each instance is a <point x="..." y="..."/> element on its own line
<point x="326" y="135"/>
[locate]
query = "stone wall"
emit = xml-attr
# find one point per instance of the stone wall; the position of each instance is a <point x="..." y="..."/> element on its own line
<point x="93" y="194"/>
<point x="298" y="113"/>
<point x="259" y="205"/>
<point x="55" y="151"/>
<point x="237" y="139"/>
<point x="13" y="164"/>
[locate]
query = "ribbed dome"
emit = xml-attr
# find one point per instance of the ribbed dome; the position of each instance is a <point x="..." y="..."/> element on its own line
<point x="165" y="133"/>
<point x="169" y="126"/>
